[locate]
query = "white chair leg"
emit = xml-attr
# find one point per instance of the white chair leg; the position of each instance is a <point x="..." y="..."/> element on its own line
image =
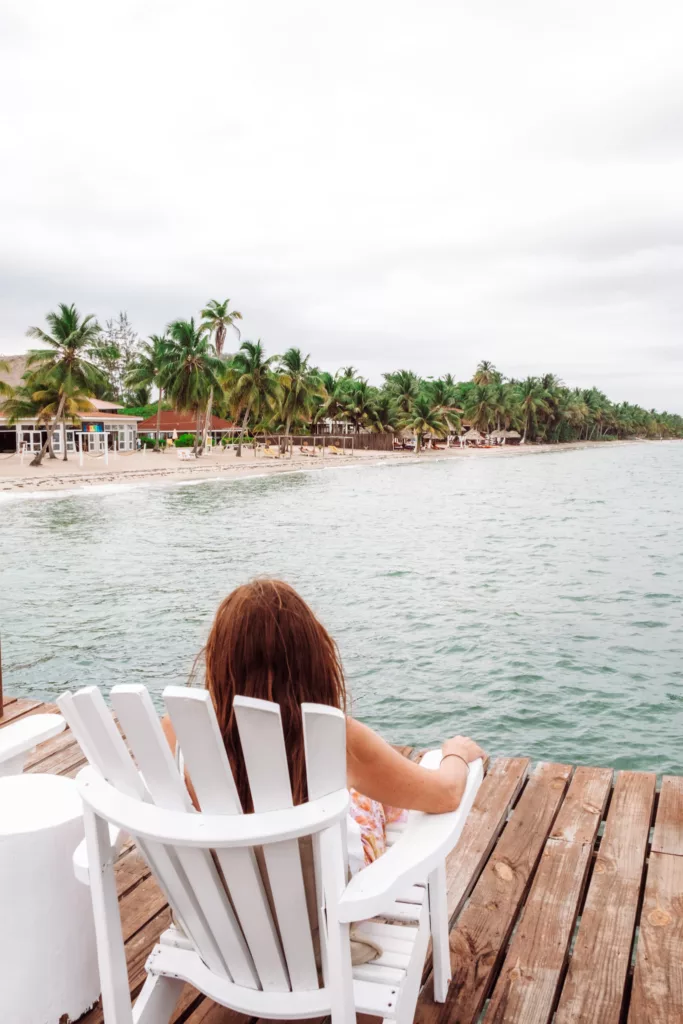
<point x="111" y="955"/>
<point x="438" y="923"/>
<point x="157" y="1000"/>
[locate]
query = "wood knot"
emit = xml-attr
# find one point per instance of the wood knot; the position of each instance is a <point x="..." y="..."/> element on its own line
<point x="504" y="871"/>
<point x="599" y="868"/>
<point x="659" y="918"/>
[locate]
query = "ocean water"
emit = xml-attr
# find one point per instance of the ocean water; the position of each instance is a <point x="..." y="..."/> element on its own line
<point x="534" y="603"/>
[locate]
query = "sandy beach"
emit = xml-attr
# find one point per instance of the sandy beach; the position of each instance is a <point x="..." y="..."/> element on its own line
<point x="165" y="467"/>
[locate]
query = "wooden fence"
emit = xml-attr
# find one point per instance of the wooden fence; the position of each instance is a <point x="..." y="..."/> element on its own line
<point x="348" y="442"/>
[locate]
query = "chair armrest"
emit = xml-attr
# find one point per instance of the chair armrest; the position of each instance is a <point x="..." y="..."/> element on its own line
<point x="18" y="738"/>
<point x="117" y="837"/>
<point x="425" y="842"/>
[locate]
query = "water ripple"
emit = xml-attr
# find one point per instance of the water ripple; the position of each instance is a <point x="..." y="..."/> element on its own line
<point x="534" y="603"/>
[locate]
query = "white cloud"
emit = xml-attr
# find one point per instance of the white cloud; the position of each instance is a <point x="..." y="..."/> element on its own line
<point x="388" y="184"/>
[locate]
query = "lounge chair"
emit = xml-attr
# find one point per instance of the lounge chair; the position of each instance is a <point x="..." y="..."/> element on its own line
<point x="18" y="739"/>
<point x="333" y="450"/>
<point x="227" y="942"/>
<point x="307" y="449"/>
<point x="271" y="452"/>
<point x="186" y="454"/>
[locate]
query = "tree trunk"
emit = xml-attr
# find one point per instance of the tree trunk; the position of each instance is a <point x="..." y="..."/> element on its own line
<point x="198" y="430"/>
<point x="157" y="444"/>
<point x="418" y="443"/>
<point x="244" y="427"/>
<point x="64" y="432"/>
<point x="207" y="421"/>
<point x="48" y="440"/>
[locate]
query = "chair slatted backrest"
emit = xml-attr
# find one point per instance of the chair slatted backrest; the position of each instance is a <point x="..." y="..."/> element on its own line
<point x="263" y="746"/>
<point x="194" y="722"/>
<point x="226" y="911"/>
<point x="325" y="749"/>
<point x="189" y="876"/>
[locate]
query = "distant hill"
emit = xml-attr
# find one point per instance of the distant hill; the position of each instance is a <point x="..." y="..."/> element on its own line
<point x="17" y="367"/>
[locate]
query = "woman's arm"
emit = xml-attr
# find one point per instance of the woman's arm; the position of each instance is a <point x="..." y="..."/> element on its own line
<point x="378" y="771"/>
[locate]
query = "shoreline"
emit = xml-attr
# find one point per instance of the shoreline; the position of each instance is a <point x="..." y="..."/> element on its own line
<point x="60" y="477"/>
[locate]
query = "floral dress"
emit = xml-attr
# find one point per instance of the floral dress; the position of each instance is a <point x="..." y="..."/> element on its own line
<point x="367" y="828"/>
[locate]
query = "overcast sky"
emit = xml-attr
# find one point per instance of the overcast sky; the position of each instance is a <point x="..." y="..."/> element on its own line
<point x="387" y="184"/>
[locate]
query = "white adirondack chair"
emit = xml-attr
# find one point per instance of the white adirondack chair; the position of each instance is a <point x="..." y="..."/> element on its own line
<point x="18" y="739"/>
<point x="227" y="942"/>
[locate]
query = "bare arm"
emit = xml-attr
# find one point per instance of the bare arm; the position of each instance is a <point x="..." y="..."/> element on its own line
<point x="378" y="771"/>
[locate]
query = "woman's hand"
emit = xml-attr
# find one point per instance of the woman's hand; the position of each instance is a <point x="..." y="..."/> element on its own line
<point x="464" y="747"/>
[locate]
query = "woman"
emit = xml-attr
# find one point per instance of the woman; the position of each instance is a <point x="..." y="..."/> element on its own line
<point x="266" y="642"/>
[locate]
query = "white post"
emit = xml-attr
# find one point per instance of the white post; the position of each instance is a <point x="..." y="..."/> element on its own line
<point x="80" y="450"/>
<point x="106" y="448"/>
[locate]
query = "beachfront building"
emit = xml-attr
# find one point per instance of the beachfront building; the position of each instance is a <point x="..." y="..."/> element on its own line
<point x="172" y="424"/>
<point x="92" y="431"/>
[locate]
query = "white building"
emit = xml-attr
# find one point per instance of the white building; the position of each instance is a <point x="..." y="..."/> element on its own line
<point x="104" y="425"/>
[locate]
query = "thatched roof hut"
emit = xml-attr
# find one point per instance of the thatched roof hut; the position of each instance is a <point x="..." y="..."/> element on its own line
<point x="472" y="435"/>
<point x="511" y="433"/>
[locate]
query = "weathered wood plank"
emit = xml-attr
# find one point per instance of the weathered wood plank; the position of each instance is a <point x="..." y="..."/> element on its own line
<point x="60" y="761"/>
<point x="138" y="948"/>
<point x="139" y="906"/>
<point x="526" y="989"/>
<point x="484" y="824"/>
<point x="21" y="707"/>
<point x="593" y="992"/>
<point x="7" y="701"/>
<point x="657" y="996"/>
<point x="130" y="870"/>
<point x="478" y="939"/>
<point x="48" y="748"/>
<point x="209" y="1012"/>
<point x="668" y="834"/>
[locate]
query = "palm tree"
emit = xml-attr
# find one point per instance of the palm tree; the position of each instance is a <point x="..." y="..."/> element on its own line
<point x="486" y="373"/>
<point x="359" y="406"/>
<point x="300" y="383"/>
<point x="63" y="361"/>
<point x="217" y="318"/>
<point x="70" y="399"/>
<point x="533" y="401"/>
<point x="441" y="394"/>
<point x="481" y="406"/>
<point x="333" y="395"/>
<point x="404" y="385"/>
<point x="190" y="369"/>
<point x="147" y="371"/>
<point x="386" y="414"/>
<point x="5" y="388"/>
<point x="251" y="384"/>
<point x="424" y="418"/>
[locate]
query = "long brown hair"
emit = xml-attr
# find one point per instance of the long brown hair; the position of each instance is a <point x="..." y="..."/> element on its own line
<point x="266" y="642"/>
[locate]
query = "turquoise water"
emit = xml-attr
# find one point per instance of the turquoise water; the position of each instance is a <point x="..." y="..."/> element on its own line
<point x="533" y="602"/>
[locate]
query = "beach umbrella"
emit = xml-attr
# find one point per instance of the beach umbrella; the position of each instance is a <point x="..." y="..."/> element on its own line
<point x="174" y="435"/>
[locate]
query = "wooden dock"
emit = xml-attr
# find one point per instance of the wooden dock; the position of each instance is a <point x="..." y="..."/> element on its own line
<point x="565" y="895"/>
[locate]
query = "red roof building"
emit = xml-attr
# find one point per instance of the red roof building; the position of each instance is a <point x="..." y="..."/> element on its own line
<point x="182" y="423"/>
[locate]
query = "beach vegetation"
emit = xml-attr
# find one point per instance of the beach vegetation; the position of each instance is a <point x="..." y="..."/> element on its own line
<point x="188" y="368"/>
<point x="63" y="363"/>
<point x="147" y="369"/>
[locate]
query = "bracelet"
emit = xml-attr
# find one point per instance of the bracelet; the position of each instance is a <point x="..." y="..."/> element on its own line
<point x="460" y="757"/>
